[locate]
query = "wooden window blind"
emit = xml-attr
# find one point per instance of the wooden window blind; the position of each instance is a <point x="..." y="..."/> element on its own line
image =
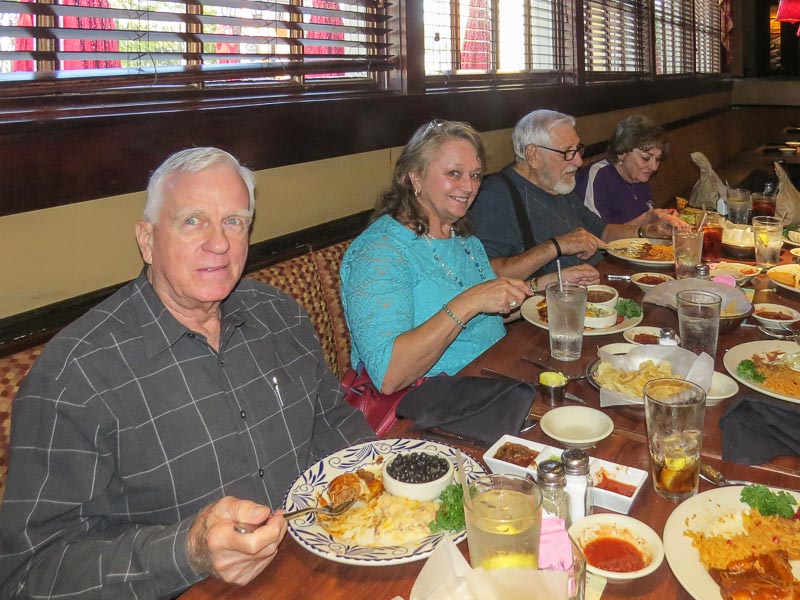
<point x="708" y="36"/>
<point x="674" y="45"/>
<point x="125" y="44"/>
<point x="616" y="38"/>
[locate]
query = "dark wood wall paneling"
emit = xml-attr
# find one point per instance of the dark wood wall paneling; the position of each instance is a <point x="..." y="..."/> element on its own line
<point x="54" y="155"/>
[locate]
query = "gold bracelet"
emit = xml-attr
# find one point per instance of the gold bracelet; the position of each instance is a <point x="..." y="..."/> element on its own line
<point x="452" y="315"/>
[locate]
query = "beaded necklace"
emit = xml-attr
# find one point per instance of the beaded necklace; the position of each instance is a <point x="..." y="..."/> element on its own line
<point x="450" y="273"/>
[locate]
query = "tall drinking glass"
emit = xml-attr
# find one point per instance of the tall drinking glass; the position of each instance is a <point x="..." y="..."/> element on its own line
<point x="566" y="311"/>
<point x="739" y="206"/>
<point x="768" y="237"/>
<point x="504" y="518"/>
<point x="698" y="320"/>
<point x="712" y="237"/>
<point x="674" y="413"/>
<point x="688" y="248"/>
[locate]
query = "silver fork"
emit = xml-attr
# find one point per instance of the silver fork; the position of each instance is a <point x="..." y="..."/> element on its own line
<point x="330" y="511"/>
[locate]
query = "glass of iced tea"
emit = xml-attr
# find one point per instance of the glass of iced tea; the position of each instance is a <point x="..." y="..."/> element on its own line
<point x="504" y="518"/>
<point x="674" y="414"/>
<point x="763" y="206"/>
<point x="712" y="237"/>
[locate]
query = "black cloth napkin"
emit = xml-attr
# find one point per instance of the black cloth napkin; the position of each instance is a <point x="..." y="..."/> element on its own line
<point x="480" y="408"/>
<point x="756" y="431"/>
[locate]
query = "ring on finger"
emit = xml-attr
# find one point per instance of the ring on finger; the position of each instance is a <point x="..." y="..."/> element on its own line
<point x="512" y="304"/>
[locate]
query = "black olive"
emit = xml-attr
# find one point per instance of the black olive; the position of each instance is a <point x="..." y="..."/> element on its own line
<point x="417" y="467"/>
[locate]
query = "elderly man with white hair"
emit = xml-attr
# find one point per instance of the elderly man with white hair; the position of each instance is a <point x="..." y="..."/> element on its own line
<point x="528" y="215"/>
<point x="172" y="416"/>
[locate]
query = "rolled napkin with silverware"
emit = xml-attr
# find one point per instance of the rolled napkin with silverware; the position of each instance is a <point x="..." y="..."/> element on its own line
<point x="479" y="408"/>
<point x="755" y="431"/>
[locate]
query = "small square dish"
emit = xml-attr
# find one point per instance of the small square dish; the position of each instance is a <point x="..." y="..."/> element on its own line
<point x="615" y="486"/>
<point x="514" y="448"/>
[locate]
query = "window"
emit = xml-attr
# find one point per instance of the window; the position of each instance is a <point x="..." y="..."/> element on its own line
<point x="617" y="39"/>
<point x="201" y="43"/>
<point x="674" y="44"/>
<point x="708" y="36"/>
<point x="499" y="37"/>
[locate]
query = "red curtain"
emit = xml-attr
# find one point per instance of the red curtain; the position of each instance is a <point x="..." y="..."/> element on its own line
<point x="789" y="12"/>
<point x="22" y="44"/>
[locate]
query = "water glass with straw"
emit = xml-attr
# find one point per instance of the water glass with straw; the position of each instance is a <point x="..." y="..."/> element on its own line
<point x="566" y="311"/>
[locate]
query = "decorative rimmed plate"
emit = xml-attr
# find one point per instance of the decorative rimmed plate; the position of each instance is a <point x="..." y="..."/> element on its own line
<point x="314" y="481"/>
<point x="530" y="312"/>
<point x="788" y="270"/>
<point x="622" y="249"/>
<point x="746" y="351"/>
<point x="702" y="513"/>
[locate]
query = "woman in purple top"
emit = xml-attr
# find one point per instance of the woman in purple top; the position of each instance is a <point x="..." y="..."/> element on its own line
<point x="617" y="188"/>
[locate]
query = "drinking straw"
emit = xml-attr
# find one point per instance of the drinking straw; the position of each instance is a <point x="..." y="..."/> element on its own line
<point x="462" y="478"/>
<point x="702" y="221"/>
<point x="560" y="281"/>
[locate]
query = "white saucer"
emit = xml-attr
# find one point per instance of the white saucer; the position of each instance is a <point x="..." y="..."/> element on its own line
<point x="577" y="426"/>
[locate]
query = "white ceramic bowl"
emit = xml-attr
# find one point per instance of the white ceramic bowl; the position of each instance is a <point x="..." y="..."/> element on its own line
<point x="646" y="540"/>
<point x="795" y="251"/>
<point x="793" y="144"/>
<point x="604" y="291"/>
<point x="636" y="278"/>
<point x="787" y="150"/>
<point x="417" y="491"/>
<point x="741" y="272"/>
<point x="577" y="426"/>
<point x="722" y="387"/>
<point x="630" y="334"/>
<point x="770" y="323"/>
<point x="599" y="317"/>
<point x="618" y="347"/>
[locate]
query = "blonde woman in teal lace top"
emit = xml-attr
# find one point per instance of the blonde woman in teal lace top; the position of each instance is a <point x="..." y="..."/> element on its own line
<point x="419" y="294"/>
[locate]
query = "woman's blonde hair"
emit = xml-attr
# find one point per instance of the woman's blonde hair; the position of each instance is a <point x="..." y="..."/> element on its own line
<point x="399" y="201"/>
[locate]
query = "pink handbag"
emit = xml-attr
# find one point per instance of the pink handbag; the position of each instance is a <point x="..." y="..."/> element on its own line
<point x="378" y="408"/>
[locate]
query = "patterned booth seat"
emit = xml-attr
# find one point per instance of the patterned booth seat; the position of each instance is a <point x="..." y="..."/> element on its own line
<point x="311" y="278"/>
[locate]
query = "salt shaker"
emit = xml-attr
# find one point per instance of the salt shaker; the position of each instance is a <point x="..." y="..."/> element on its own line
<point x="579" y="483"/>
<point x="666" y="337"/>
<point x="702" y="272"/>
<point x="552" y="480"/>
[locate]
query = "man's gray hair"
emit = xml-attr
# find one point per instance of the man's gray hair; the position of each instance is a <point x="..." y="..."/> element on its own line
<point x="534" y="129"/>
<point x="191" y="160"/>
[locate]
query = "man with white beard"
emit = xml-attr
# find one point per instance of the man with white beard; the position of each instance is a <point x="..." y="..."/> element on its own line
<point x="548" y="153"/>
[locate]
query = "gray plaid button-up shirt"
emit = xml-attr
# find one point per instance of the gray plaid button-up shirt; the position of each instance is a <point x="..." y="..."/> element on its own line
<point x="129" y="424"/>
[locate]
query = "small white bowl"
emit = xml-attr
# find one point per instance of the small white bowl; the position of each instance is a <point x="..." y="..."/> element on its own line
<point x="630" y="334"/>
<point x="577" y="426"/>
<point x="617" y="347"/>
<point x="787" y="150"/>
<point x="794" y="251"/>
<point x="793" y="144"/>
<point x="722" y="387"/>
<point x="791" y="314"/>
<point x="741" y="272"/>
<point x="636" y="279"/>
<point x="600" y="317"/>
<point x="604" y="291"/>
<point x="646" y="540"/>
<point x="429" y="490"/>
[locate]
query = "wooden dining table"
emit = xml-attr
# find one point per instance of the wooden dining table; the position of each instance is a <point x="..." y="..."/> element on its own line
<point x="296" y="573"/>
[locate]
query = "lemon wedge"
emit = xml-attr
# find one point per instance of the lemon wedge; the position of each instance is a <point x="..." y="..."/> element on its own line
<point x="512" y="560"/>
<point x="763" y="238"/>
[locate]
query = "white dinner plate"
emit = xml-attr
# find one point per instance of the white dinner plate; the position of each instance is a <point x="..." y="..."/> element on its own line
<point x="617" y="249"/>
<point x="745" y="351"/>
<point x="702" y="513"/>
<point x="313" y="482"/>
<point x="530" y="312"/>
<point x="784" y="269"/>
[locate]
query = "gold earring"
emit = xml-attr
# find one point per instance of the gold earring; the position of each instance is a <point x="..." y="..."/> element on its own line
<point x="416" y="193"/>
